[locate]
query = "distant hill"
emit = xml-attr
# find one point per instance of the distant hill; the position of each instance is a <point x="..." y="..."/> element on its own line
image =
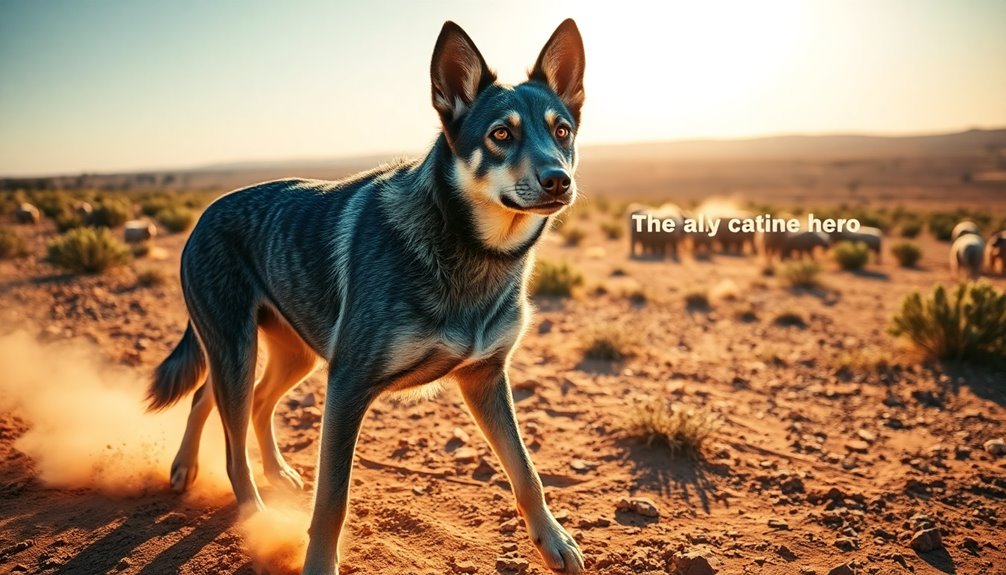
<point x="851" y="146"/>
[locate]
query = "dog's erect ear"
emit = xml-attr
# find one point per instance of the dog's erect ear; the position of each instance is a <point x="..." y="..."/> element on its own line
<point x="560" y="66"/>
<point x="458" y="73"/>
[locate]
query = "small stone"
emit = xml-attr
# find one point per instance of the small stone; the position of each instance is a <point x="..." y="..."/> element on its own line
<point x="562" y="516"/>
<point x="692" y="563"/>
<point x="509" y="526"/>
<point x="785" y="553"/>
<point x="867" y="436"/>
<point x="124" y="564"/>
<point x="417" y="490"/>
<point x="515" y="564"/>
<point x="581" y="466"/>
<point x="842" y="569"/>
<point x="927" y="540"/>
<point x="857" y="446"/>
<point x="484" y="471"/>
<point x="465" y="455"/>
<point x="460" y="434"/>
<point x="465" y="567"/>
<point x="971" y="545"/>
<point x="545" y="326"/>
<point x="778" y="524"/>
<point x="996" y="447"/>
<point x="309" y="400"/>
<point x="510" y="547"/>
<point x="639" y="505"/>
<point x="846" y="544"/>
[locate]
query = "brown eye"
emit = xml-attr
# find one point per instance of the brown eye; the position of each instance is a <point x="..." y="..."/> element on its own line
<point x="562" y="132"/>
<point x="501" y="134"/>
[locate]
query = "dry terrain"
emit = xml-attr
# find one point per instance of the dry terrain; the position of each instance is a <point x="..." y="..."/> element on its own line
<point x="836" y="443"/>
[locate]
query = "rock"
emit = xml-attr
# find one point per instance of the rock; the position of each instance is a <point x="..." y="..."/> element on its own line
<point x="309" y="400"/>
<point x="461" y="435"/>
<point x="514" y="564"/>
<point x="927" y="540"/>
<point x="545" y="326"/>
<point x="465" y="455"/>
<point x="581" y="466"/>
<point x="639" y="505"/>
<point x="509" y="548"/>
<point x="484" y="471"/>
<point x="842" y="569"/>
<point x="785" y="553"/>
<point x="846" y="544"/>
<point x="465" y="567"/>
<point x="971" y="545"/>
<point x="692" y="563"/>
<point x="509" y="526"/>
<point x="996" y="447"/>
<point x="867" y="436"/>
<point x="857" y="446"/>
<point x="778" y="524"/>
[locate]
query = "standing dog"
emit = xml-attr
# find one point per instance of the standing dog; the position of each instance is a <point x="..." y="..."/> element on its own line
<point x="399" y="277"/>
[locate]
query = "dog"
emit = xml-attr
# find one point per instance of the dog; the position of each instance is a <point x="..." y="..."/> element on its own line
<point x="400" y="278"/>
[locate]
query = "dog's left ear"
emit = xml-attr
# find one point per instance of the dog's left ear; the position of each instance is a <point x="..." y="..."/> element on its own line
<point x="458" y="74"/>
<point x="560" y="66"/>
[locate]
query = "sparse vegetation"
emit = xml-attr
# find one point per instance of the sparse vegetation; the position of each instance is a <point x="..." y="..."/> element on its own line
<point x="850" y="256"/>
<point x="801" y="274"/>
<point x="11" y="244"/>
<point x="790" y="319"/>
<point x="110" y="214"/>
<point x="572" y="234"/>
<point x="969" y="322"/>
<point x="554" y="279"/>
<point x="911" y="228"/>
<point x="176" y="219"/>
<point x="637" y="296"/>
<point x="613" y="230"/>
<point x="697" y="300"/>
<point x="87" y="250"/>
<point x="681" y="429"/>
<point x="150" y="277"/>
<point x="611" y="343"/>
<point x="907" y="254"/>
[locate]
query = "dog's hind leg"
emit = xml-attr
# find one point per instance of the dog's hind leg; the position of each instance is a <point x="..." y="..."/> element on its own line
<point x="486" y="391"/>
<point x="186" y="463"/>
<point x="290" y="361"/>
<point x="345" y="407"/>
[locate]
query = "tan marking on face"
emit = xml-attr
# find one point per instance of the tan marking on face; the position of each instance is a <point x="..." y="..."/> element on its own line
<point x="550" y="117"/>
<point x="514" y="119"/>
<point x="497" y="226"/>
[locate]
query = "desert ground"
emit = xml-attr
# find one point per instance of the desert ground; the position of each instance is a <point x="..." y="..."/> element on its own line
<point x="833" y="446"/>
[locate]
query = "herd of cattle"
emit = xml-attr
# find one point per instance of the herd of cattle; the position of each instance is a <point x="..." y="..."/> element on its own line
<point x="969" y="251"/>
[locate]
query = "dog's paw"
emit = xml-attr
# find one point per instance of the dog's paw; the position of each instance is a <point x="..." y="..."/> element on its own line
<point x="285" y="477"/>
<point x="557" y="548"/>
<point x="182" y="475"/>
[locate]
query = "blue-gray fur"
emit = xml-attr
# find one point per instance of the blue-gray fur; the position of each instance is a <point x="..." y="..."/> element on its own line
<point x="386" y="276"/>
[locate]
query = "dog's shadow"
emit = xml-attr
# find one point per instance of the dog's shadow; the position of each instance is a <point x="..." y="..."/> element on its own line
<point x="656" y="469"/>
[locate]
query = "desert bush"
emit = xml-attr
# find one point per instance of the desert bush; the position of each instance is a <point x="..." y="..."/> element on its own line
<point x="911" y="228"/>
<point x="613" y="230"/>
<point x="572" y="234"/>
<point x="110" y="214"/>
<point x="87" y="250"/>
<point x="697" y="300"/>
<point x="790" y="319"/>
<point x="941" y="225"/>
<point x="150" y="277"/>
<point x="176" y="219"/>
<point x="967" y="323"/>
<point x="11" y="244"/>
<point x="682" y="429"/>
<point x="802" y="274"/>
<point x="554" y="279"/>
<point x="851" y="256"/>
<point x="611" y="343"/>
<point x="907" y="254"/>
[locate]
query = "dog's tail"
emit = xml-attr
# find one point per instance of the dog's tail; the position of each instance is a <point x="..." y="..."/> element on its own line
<point x="178" y="374"/>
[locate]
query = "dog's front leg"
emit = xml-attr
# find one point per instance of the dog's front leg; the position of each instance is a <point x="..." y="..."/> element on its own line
<point x="486" y="389"/>
<point x="345" y="406"/>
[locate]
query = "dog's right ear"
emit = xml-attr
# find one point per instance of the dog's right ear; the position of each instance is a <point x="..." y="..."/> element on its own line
<point x="458" y="73"/>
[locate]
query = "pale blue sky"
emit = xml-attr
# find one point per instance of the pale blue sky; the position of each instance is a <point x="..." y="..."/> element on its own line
<point x="118" y="85"/>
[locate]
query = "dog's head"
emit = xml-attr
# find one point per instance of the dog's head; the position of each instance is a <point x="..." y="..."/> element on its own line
<point x="513" y="146"/>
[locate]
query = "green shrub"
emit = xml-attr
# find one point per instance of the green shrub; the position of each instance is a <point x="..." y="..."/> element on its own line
<point x="87" y="250"/>
<point x="907" y="254"/>
<point x="969" y="323"/>
<point x="110" y="214"/>
<point x="911" y="229"/>
<point x="941" y="225"/>
<point x="554" y="279"/>
<point x="176" y="219"/>
<point x="851" y="256"/>
<point x="801" y="273"/>
<point x="11" y="244"/>
<point x="697" y="300"/>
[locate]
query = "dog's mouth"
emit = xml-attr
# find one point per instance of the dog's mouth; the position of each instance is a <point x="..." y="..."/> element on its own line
<point x="544" y="209"/>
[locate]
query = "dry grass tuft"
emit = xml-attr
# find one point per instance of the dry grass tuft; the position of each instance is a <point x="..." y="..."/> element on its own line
<point x="554" y="279"/>
<point x="11" y="244"/>
<point x="682" y="429"/>
<point x="801" y="274"/>
<point x="610" y="343"/>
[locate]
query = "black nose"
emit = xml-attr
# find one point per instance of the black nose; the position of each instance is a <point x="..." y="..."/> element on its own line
<point x="555" y="181"/>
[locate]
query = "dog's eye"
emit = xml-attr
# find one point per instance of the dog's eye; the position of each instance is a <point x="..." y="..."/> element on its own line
<point x="562" y="132"/>
<point x="501" y="134"/>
